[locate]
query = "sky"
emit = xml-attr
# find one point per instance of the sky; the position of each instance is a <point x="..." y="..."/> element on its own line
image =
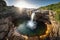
<point x="30" y="3"/>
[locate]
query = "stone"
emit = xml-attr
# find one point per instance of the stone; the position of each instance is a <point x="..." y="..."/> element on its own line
<point x="2" y="35"/>
<point x="5" y="25"/>
<point x="2" y="3"/>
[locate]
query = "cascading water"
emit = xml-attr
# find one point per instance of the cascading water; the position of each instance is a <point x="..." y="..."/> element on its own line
<point x="31" y="24"/>
<point x="32" y="16"/>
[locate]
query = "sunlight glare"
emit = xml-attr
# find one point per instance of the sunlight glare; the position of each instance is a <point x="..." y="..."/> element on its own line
<point x="24" y="4"/>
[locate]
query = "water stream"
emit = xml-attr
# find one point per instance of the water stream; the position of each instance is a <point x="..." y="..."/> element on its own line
<point x="31" y="24"/>
<point x="32" y="16"/>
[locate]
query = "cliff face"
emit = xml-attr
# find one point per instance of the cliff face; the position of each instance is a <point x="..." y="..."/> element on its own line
<point x="5" y="26"/>
<point x="2" y="3"/>
<point x="3" y="21"/>
<point x="8" y="17"/>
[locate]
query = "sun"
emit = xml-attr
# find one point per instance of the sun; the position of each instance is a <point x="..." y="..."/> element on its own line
<point x="24" y="4"/>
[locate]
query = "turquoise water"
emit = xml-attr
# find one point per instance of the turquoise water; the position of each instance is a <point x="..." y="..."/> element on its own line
<point x="39" y="30"/>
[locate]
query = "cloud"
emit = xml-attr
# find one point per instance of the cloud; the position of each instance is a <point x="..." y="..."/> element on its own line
<point x="24" y="4"/>
<point x="21" y="3"/>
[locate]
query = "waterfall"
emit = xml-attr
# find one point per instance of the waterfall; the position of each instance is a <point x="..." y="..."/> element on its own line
<point x="32" y="16"/>
<point x="31" y="23"/>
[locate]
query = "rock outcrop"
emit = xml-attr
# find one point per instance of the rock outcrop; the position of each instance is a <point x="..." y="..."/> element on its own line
<point x="5" y="26"/>
<point x="2" y="3"/>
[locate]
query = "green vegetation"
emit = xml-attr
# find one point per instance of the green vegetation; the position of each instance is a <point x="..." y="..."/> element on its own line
<point x="57" y="16"/>
<point x="54" y="7"/>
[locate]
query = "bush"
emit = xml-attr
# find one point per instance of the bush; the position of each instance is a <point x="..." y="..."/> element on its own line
<point x="57" y="16"/>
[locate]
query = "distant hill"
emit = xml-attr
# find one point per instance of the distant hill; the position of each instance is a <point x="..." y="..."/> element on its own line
<point x="54" y="7"/>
